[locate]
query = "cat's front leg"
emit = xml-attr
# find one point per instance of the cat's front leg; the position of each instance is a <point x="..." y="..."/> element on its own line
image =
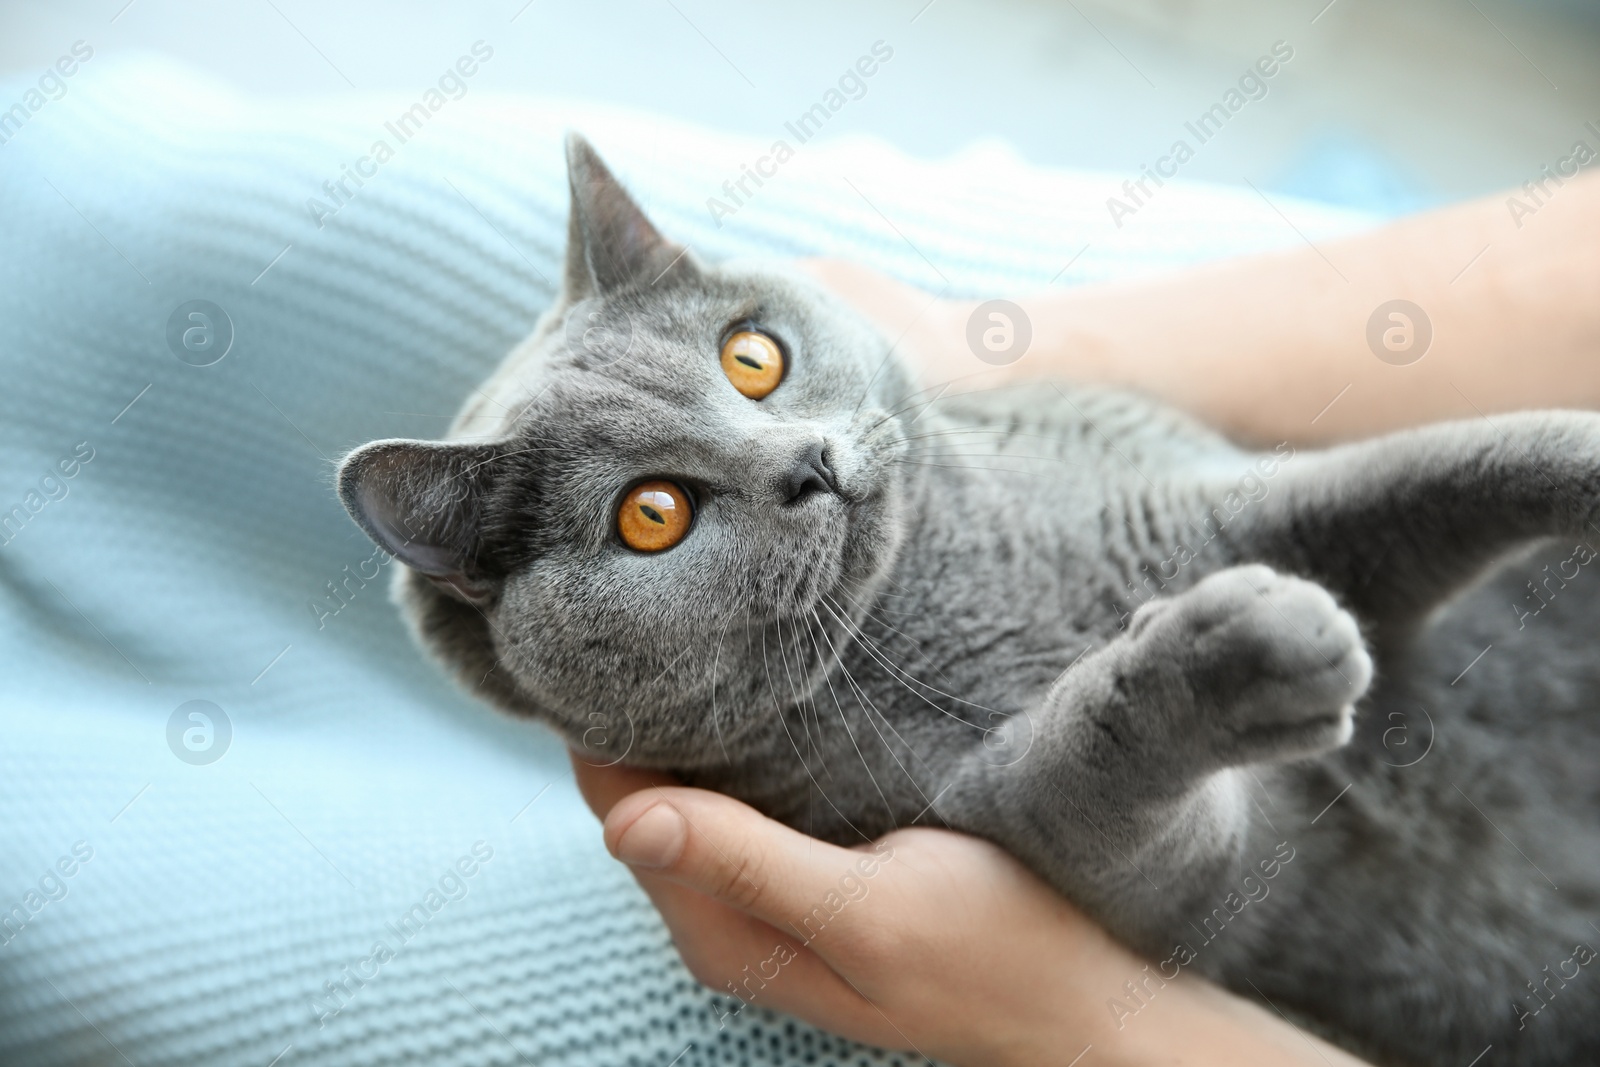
<point x="1125" y="793"/>
<point x="1399" y="524"/>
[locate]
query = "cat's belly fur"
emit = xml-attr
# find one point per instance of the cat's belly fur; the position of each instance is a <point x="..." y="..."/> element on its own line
<point x="1444" y="859"/>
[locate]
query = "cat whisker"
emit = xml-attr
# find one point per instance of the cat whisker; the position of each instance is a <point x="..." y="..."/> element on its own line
<point x="872" y="645"/>
<point x="922" y="407"/>
<point x="887" y="356"/>
<point x="508" y="455"/>
<point x="900" y="675"/>
<point x="800" y="698"/>
<point x="843" y="719"/>
<point x="950" y="431"/>
<point x="943" y="388"/>
<point x="973" y="430"/>
<point x="878" y="593"/>
<point x="944" y="453"/>
<point x="901" y="409"/>
<point x="881" y="589"/>
<point x="867" y="612"/>
<point x="940" y="454"/>
<point x="868" y="708"/>
<point x="970" y="467"/>
<point x="777" y="707"/>
<point x="813" y="696"/>
<point x="917" y="392"/>
<point x="716" y="718"/>
<point x="947" y="383"/>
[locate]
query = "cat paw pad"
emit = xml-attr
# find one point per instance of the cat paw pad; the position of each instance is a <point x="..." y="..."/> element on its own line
<point x="1271" y="665"/>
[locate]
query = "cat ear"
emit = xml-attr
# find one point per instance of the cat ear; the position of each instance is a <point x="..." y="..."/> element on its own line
<point x="610" y="243"/>
<point x="422" y="502"/>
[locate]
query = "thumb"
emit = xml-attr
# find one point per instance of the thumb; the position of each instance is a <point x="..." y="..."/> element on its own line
<point x="732" y="853"/>
<point x="602" y="785"/>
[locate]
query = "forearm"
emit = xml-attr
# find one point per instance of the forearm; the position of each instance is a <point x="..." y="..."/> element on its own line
<point x="1194" y="1024"/>
<point x="1078" y="1003"/>
<point x="1262" y="346"/>
<point x="1274" y="347"/>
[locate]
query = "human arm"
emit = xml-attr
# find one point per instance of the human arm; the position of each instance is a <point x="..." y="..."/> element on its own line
<point x="1273" y="347"/>
<point x="949" y="947"/>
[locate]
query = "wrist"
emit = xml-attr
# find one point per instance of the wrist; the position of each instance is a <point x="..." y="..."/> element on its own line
<point x="1185" y="1022"/>
<point x="1196" y="1024"/>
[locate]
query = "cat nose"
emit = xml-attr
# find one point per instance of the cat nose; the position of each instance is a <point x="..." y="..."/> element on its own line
<point x="810" y="474"/>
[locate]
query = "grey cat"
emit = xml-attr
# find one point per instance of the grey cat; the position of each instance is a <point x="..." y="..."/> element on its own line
<point x="1065" y="619"/>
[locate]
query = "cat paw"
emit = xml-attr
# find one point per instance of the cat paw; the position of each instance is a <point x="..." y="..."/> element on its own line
<point x="1264" y="666"/>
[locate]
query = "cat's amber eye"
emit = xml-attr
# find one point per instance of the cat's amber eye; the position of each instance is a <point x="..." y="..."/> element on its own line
<point x="753" y="362"/>
<point x="654" y="516"/>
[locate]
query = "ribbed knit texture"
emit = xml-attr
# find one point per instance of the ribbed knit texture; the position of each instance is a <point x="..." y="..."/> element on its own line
<point x="221" y="900"/>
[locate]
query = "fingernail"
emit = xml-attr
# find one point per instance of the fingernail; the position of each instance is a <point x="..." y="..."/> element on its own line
<point x="655" y="839"/>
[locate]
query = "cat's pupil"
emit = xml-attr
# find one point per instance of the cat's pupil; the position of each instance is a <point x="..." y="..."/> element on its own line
<point x="652" y="514"/>
<point x="748" y="362"/>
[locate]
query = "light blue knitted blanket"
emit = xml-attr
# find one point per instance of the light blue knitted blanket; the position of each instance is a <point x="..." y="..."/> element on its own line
<point x="334" y="858"/>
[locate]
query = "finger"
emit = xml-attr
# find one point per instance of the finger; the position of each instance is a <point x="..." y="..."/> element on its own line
<point x="730" y="852"/>
<point x="738" y="955"/>
<point x="603" y="786"/>
<point x="733" y="942"/>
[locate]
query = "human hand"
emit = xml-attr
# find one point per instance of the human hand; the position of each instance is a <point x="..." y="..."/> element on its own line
<point x="927" y="940"/>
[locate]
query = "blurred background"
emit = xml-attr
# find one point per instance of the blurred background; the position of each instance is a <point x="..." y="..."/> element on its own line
<point x="1385" y="107"/>
<point x="228" y="896"/>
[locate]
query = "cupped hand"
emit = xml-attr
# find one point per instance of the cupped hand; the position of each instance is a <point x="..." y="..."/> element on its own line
<point x="926" y="940"/>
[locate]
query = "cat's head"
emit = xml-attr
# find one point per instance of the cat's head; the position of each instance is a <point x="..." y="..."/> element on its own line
<point x="661" y="517"/>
